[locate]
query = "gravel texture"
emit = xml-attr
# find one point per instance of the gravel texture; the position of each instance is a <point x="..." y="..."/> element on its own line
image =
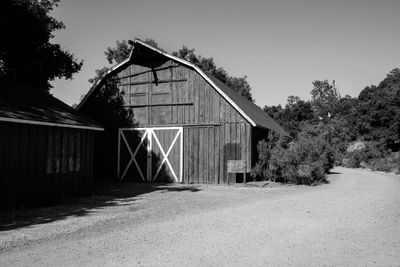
<point x="352" y="221"/>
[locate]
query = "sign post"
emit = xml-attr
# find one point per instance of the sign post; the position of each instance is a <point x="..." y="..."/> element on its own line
<point x="237" y="166"/>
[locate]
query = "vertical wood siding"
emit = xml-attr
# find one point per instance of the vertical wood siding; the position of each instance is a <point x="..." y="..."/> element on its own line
<point x="206" y="150"/>
<point x="40" y="164"/>
<point x="175" y="94"/>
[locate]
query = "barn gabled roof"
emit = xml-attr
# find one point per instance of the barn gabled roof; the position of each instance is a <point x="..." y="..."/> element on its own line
<point x="20" y="104"/>
<point x="250" y="111"/>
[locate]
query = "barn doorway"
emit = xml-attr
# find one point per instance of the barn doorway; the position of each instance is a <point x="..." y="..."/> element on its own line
<point x="150" y="154"/>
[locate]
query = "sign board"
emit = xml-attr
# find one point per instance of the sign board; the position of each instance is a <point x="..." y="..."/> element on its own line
<point x="237" y="166"/>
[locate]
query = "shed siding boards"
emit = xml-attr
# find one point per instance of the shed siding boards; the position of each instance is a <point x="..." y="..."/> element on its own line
<point x="42" y="164"/>
<point x="175" y="95"/>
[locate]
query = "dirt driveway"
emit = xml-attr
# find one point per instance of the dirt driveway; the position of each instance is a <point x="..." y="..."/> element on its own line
<point x="353" y="221"/>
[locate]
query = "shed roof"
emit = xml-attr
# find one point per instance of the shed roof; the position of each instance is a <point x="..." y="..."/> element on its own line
<point x="250" y="111"/>
<point x="21" y="104"/>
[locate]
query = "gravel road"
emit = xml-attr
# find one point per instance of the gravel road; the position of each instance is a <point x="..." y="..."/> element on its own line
<point x="352" y="221"/>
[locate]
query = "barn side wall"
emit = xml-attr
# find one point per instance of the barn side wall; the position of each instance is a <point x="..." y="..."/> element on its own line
<point x="40" y="164"/>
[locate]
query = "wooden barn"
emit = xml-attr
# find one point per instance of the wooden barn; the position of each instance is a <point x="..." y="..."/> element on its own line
<point x="187" y="124"/>
<point x="45" y="149"/>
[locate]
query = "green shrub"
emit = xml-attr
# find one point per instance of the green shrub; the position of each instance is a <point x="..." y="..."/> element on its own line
<point x="381" y="164"/>
<point x="264" y="148"/>
<point x="261" y="170"/>
<point x="359" y="154"/>
<point x="304" y="162"/>
<point x="311" y="173"/>
<point x="390" y="163"/>
<point x="368" y="155"/>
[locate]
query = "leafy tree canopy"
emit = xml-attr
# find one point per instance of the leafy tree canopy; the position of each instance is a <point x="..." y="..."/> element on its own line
<point x="372" y="116"/>
<point x="377" y="114"/>
<point x="292" y="115"/>
<point x="26" y="54"/>
<point x="324" y="98"/>
<point x="116" y="55"/>
<point x="239" y="84"/>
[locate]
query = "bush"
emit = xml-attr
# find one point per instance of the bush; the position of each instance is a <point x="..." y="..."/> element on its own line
<point x="381" y="164"/>
<point x="311" y="173"/>
<point x="261" y="170"/>
<point x="305" y="162"/>
<point x="368" y="155"/>
<point x="390" y="163"/>
<point x="359" y="154"/>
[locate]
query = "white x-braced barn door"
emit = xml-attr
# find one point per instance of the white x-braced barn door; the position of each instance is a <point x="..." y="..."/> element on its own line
<point x="150" y="154"/>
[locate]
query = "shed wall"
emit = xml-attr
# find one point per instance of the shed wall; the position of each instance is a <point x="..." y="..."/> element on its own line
<point x="41" y="164"/>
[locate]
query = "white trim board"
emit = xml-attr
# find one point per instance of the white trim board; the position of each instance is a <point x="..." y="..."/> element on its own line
<point x="52" y="124"/>
<point x="150" y="128"/>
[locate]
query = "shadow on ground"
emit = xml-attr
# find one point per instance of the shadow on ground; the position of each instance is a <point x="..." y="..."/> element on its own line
<point x="105" y="195"/>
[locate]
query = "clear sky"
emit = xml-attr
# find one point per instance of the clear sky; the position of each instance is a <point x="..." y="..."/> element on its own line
<point x="282" y="46"/>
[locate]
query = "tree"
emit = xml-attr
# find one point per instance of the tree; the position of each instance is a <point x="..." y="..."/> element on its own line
<point x="238" y="84"/>
<point x="295" y="112"/>
<point x="26" y="54"/>
<point x="116" y="55"/>
<point x="122" y="49"/>
<point x="392" y="81"/>
<point x="324" y="98"/>
<point x="377" y="116"/>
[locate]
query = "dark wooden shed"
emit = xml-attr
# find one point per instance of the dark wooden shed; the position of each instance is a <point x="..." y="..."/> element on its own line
<point x="188" y="124"/>
<point x="45" y="149"/>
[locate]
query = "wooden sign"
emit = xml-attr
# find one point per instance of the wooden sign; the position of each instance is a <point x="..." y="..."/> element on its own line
<point x="236" y="166"/>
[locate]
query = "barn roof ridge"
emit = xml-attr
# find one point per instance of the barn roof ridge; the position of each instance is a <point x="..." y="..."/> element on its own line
<point x="250" y="111"/>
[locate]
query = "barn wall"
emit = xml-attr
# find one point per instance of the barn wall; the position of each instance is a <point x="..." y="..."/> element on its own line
<point x="40" y="164"/>
<point x="207" y="149"/>
<point x="175" y="95"/>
